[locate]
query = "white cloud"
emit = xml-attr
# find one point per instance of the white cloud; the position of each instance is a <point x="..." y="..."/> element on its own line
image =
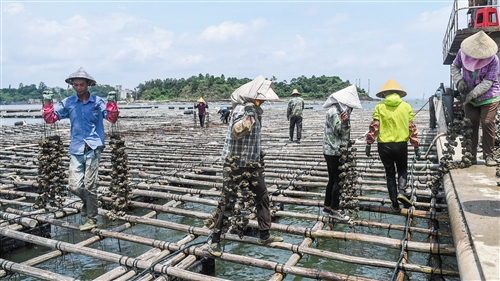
<point x="190" y="60"/>
<point x="279" y="54"/>
<point x="300" y="43"/>
<point x="223" y="31"/>
<point x="230" y="30"/>
<point x="132" y="43"/>
<point x="338" y="18"/>
<point x="44" y="28"/>
<point x="13" y="9"/>
<point x="151" y="45"/>
<point x="429" y="21"/>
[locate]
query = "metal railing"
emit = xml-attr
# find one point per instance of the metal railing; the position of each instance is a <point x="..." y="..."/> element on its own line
<point x="453" y="24"/>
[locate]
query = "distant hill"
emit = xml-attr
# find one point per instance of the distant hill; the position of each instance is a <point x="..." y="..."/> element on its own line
<point x="207" y="86"/>
<point x="218" y="88"/>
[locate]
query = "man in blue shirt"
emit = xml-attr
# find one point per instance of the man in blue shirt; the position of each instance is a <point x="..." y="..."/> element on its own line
<point x="224" y="114"/>
<point x="86" y="113"/>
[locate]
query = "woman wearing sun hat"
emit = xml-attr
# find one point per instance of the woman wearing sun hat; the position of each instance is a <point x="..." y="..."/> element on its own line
<point x="202" y="110"/>
<point x="336" y="133"/>
<point x="392" y="126"/>
<point x="475" y="73"/>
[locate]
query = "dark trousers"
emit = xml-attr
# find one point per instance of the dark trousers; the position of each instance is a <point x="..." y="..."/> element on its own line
<point x="332" y="195"/>
<point x="261" y="201"/>
<point x="224" y="117"/>
<point x="484" y="115"/>
<point x="296" y="121"/>
<point x="394" y="153"/>
<point x="202" y="120"/>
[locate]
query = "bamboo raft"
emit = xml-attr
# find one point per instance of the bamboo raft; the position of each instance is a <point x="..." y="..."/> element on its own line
<point x="175" y="171"/>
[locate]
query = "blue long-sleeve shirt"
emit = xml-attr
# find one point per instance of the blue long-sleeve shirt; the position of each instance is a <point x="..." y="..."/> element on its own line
<point x="86" y="120"/>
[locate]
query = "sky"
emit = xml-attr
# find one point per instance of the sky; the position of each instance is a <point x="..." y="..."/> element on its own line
<point x="131" y="42"/>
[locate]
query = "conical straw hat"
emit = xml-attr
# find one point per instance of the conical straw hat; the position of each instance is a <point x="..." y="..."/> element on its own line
<point x="479" y="46"/>
<point x="81" y="73"/>
<point x="391" y="87"/>
<point x="201" y="100"/>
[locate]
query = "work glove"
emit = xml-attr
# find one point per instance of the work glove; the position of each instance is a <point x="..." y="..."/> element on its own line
<point x="458" y="80"/>
<point x="250" y="109"/>
<point x="111" y="96"/>
<point x="479" y="90"/>
<point x="467" y="99"/>
<point x="48" y="96"/>
<point x="368" y="149"/>
<point x="462" y="86"/>
<point x="417" y="152"/>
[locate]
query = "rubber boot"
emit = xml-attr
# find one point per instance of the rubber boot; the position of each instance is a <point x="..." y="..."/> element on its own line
<point x="402" y="184"/>
<point x="392" y="189"/>
<point x="401" y="196"/>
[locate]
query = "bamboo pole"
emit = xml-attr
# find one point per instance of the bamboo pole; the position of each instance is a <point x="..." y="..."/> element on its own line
<point x="370" y="239"/>
<point x="295" y="257"/>
<point x="27" y="222"/>
<point x="102" y="255"/>
<point x="151" y="255"/>
<point x="33" y="271"/>
<point x="277" y="150"/>
<point x="89" y="241"/>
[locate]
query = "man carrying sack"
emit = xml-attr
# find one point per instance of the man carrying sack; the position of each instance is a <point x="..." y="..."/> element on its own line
<point x="243" y="168"/>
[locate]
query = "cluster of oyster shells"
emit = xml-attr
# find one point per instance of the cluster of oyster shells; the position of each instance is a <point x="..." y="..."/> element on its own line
<point x="51" y="173"/>
<point x="119" y="190"/>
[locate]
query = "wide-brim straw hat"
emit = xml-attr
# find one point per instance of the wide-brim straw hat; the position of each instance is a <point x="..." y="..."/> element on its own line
<point x="81" y="73"/>
<point x="391" y="87"/>
<point x="295" y="92"/>
<point x="479" y="46"/>
<point x="200" y="100"/>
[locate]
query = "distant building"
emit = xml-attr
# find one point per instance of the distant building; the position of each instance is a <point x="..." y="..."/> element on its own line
<point x="122" y="94"/>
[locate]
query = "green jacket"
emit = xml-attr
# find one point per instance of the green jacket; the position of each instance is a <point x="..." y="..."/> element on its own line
<point x="395" y="117"/>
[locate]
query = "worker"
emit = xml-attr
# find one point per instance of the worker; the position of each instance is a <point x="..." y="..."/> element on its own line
<point x="475" y="74"/>
<point x="224" y="112"/>
<point x="294" y="114"/>
<point x="242" y="156"/>
<point x="337" y="132"/>
<point x="202" y="110"/>
<point x="392" y="126"/>
<point x="86" y="113"/>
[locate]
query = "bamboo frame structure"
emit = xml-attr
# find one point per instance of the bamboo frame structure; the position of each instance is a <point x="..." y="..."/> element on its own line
<point x="177" y="182"/>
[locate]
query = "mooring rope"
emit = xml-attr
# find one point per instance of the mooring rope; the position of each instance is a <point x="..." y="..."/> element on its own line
<point x="404" y="240"/>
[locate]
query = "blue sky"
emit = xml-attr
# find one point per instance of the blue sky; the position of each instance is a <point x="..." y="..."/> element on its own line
<point x="131" y="42"/>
